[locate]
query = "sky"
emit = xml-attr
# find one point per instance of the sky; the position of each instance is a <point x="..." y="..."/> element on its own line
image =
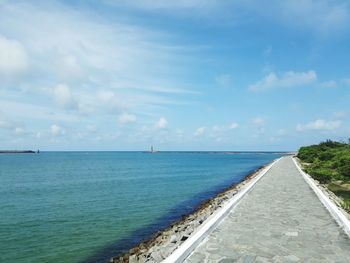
<point x="177" y="74"/>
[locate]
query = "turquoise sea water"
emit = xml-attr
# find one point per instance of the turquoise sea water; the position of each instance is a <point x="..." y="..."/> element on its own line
<point x="90" y="206"/>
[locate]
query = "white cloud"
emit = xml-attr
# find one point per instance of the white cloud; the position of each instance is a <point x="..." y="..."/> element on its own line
<point x="331" y="84"/>
<point x="200" y="131"/>
<point x="56" y="130"/>
<point x="319" y="124"/>
<point x="259" y="121"/>
<point x="286" y="80"/>
<point x="223" y="80"/>
<point x="63" y="96"/>
<point x="233" y="126"/>
<point x="162" y="123"/>
<point x="13" y="57"/>
<point x="125" y="118"/>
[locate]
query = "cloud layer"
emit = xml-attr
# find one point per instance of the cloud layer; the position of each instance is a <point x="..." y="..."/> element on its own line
<point x="107" y="75"/>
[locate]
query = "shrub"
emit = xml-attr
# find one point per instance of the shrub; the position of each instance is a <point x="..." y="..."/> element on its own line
<point x="328" y="160"/>
<point x="322" y="175"/>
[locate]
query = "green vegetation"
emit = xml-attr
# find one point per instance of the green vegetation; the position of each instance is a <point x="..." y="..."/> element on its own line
<point x="329" y="163"/>
<point x="343" y="191"/>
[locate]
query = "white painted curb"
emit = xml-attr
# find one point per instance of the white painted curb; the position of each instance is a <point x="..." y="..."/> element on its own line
<point x="185" y="249"/>
<point x="333" y="209"/>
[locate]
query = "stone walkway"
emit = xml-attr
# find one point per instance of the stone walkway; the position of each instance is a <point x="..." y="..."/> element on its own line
<point x="280" y="220"/>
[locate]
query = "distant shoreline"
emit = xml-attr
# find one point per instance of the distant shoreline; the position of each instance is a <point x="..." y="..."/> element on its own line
<point x="16" y="151"/>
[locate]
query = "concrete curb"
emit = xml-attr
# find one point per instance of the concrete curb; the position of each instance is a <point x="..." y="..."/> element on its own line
<point x="186" y="248"/>
<point x="333" y="209"/>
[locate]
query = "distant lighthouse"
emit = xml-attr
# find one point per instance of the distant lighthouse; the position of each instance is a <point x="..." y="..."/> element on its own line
<point x="152" y="150"/>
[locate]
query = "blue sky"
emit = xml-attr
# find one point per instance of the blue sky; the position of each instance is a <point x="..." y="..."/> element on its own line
<point x="179" y="75"/>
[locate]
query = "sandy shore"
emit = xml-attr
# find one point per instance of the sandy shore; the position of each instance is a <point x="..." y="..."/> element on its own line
<point x="162" y="244"/>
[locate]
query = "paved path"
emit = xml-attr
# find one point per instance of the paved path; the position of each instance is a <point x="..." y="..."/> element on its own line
<point x="280" y="220"/>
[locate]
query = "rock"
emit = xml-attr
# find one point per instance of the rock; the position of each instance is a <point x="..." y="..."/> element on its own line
<point x="166" y="251"/>
<point x="173" y="239"/>
<point x="184" y="238"/>
<point x="142" y="259"/>
<point x="133" y="259"/>
<point x="156" y="256"/>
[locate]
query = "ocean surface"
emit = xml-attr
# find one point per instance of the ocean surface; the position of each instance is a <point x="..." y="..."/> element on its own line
<point x="90" y="206"/>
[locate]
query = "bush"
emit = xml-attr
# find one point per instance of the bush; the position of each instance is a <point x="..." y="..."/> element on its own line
<point x="322" y="175"/>
<point x="328" y="160"/>
<point x="326" y="155"/>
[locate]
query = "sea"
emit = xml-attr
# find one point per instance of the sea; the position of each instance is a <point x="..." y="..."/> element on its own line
<point x="91" y="206"/>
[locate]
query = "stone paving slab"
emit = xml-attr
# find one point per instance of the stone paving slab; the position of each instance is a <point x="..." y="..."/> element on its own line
<point x="280" y="220"/>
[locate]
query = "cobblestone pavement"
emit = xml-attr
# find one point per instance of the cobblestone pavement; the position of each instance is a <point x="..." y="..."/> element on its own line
<point x="280" y="220"/>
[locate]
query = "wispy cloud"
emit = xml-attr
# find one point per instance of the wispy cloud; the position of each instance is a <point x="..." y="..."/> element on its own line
<point x="85" y="65"/>
<point x="286" y="80"/>
<point x="319" y="124"/>
<point x="83" y="50"/>
<point x="321" y="17"/>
